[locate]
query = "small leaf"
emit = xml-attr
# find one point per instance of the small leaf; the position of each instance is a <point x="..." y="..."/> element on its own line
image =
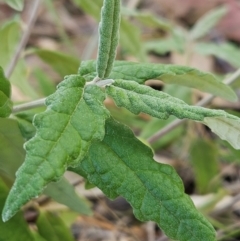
<point x="169" y="74"/>
<point x="109" y="36"/>
<point x="138" y="98"/>
<point x="16" y="228"/>
<point x="11" y="152"/>
<point x="225" y="51"/>
<point x="74" y="118"/>
<point x="16" y="4"/>
<point x="227" y="128"/>
<point x="51" y="227"/>
<point x="207" y="22"/>
<point x="63" y="192"/>
<point x="154" y="190"/>
<point x="62" y="63"/>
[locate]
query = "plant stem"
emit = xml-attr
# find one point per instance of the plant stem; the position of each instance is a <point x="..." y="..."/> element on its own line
<point x="25" y="37"/>
<point x="29" y="105"/>
<point x="202" y="102"/>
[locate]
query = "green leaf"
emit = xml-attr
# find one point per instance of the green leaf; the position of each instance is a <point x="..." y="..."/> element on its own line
<point x="92" y="8"/>
<point x="108" y="37"/>
<point x="16" y="228"/>
<point x="139" y="98"/>
<point x="10" y="34"/>
<point x="26" y="127"/>
<point x="75" y="117"/>
<point x="5" y="92"/>
<point x="130" y="36"/>
<point x="16" y="4"/>
<point x="207" y="22"/>
<point x="5" y="105"/>
<point x="63" y="192"/>
<point x="204" y="160"/>
<point x="154" y="190"/>
<point x="62" y="63"/>
<point x="225" y="51"/>
<point x="45" y="82"/>
<point x="5" y="85"/>
<point x="169" y="74"/>
<point x="227" y="128"/>
<point x="11" y="152"/>
<point x="52" y="228"/>
<point x="148" y="19"/>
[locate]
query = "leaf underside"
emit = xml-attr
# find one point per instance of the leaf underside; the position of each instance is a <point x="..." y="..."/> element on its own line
<point x="121" y="165"/>
<point x="169" y="74"/>
<point x="139" y="98"/>
<point x="63" y="137"/>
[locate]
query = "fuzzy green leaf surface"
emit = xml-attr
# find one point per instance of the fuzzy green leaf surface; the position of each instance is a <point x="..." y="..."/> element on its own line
<point x="139" y="98"/>
<point x="154" y="190"/>
<point x="108" y="37"/>
<point x="207" y="22"/>
<point x="169" y="74"/>
<point x="75" y="117"/>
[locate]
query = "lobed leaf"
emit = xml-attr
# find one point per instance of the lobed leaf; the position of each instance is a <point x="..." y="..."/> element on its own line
<point x="154" y="190"/>
<point x="75" y="117"/>
<point x="138" y="98"/>
<point x="169" y="74"/>
<point x="109" y="36"/>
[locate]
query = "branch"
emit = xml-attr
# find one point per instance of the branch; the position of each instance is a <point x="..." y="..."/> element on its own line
<point x="25" y="37"/>
<point x="202" y="102"/>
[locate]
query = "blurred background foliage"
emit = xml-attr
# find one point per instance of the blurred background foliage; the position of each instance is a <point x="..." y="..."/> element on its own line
<point x="201" y="34"/>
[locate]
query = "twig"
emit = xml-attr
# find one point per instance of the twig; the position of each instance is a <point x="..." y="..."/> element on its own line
<point x="29" y="105"/>
<point x="202" y="102"/>
<point x="25" y="37"/>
